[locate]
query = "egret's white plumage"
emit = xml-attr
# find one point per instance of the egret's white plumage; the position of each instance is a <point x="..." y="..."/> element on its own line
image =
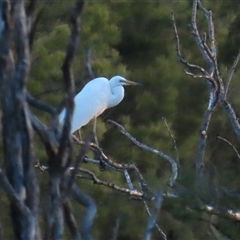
<point x="96" y="96"/>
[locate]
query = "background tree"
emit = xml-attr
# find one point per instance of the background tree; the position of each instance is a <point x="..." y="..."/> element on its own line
<point x="136" y="40"/>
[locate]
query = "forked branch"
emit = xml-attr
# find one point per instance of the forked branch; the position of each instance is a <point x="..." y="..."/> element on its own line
<point x="155" y="151"/>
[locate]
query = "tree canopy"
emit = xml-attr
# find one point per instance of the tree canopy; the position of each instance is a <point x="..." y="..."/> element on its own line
<point x="137" y="40"/>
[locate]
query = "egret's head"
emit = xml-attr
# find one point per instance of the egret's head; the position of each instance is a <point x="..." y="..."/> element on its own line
<point x="120" y="81"/>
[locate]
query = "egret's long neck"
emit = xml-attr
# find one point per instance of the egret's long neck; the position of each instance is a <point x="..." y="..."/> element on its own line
<point x="117" y="94"/>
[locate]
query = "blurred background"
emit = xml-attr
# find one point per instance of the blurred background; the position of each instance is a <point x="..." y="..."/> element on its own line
<point x="135" y="39"/>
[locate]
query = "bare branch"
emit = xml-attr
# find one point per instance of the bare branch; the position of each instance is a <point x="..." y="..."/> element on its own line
<point x="173" y="139"/>
<point x="79" y="159"/>
<point x="232" y="116"/>
<point x="153" y="216"/>
<point x="103" y="158"/>
<point x="59" y="149"/>
<point x="205" y="77"/>
<point x="70" y="220"/>
<point x="179" y="192"/>
<point x="90" y="175"/>
<point x="115" y="228"/>
<point x="65" y="140"/>
<point x="39" y="104"/>
<point x="212" y="52"/>
<point x="202" y="142"/>
<point x="88" y="63"/>
<point x="90" y="212"/>
<point x="230" y="75"/>
<point x="208" y="51"/>
<point x="178" y="50"/>
<point x="128" y="179"/>
<point x="214" y="83"/>
<point x="143" y="184"/>
<point x="225" y="140"/>
<point x="196" y="33"/>
<point x="159" y="153"/>
<point x="17" y="129"/>
<point x="2" y="23"/>
<point x="157" y="226"/>
<point x="11" y="194"/>
<point x="33" y="28"/>
<point x="211" y="31"/>
<point x="47" y="136"/>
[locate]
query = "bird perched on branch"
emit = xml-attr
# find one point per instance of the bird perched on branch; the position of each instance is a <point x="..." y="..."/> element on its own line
<point x="97" y="95"/>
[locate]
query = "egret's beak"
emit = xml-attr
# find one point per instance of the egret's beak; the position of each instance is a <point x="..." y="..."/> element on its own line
<point x="127" y="82"/>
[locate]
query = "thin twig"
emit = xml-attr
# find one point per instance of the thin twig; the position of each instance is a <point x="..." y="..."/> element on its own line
<point x="225" y="140"/>
<point x="178" y="50"/>
<point x="211" y="32"/>
<point x="88" y="63"/>
<point x="232" y="116"/>
<point x="230" y="75"/>
<point x="207" y="50"/>
<point x="204" y="74"/>
<point x="212" y="53"/>
<point x="205" y="77"/>
<point x="173" y="139"/>
<point x="90" y="175"/>
<point x="196" y="33"/>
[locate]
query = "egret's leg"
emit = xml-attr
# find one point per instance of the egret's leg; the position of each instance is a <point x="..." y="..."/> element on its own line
<point x="79" y="134"/>
<point x="95" y="131"/>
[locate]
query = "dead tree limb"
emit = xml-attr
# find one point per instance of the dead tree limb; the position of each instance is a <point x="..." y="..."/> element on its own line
<point x="156" y="225"/>
<point x="153" y="217"/>
<point x="90" y="212"/>
<point x="60" y="160"/>
<point x="230" y="75"/>
<point x="40" y="105"/>
<point x="70" y="220"/>
<point x="211" y="75"/>
<point x="17" y="129"/>
<point x="155" y="151"/>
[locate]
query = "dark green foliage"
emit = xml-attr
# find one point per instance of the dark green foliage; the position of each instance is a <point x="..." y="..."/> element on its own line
<point x="135" y="39"/>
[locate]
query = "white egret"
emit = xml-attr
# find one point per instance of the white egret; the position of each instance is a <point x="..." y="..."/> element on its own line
<point x="96" y="96"/>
